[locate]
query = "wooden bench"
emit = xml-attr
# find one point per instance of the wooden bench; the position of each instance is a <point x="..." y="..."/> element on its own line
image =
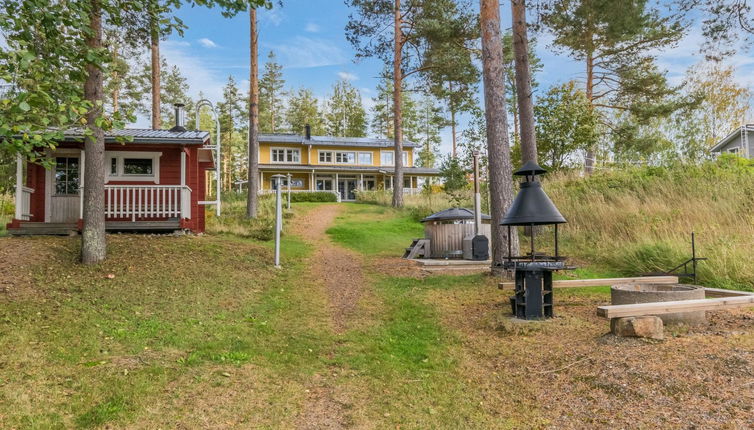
<point x="574" y="283"/>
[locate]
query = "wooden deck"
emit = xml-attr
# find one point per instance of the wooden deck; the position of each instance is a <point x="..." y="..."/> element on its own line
<point x="69" y="229"/>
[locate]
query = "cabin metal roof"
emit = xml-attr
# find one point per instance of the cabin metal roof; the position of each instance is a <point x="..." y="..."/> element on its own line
<point x="365" y="142"/>
<point x="146" y="135"/>
<point x="453" y="214"/>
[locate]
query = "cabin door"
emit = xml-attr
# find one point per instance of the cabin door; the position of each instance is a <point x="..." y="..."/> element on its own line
<point x="63" y="188"/>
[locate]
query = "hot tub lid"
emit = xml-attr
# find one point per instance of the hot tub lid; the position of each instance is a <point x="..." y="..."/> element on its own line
<point x="453" y="214"/>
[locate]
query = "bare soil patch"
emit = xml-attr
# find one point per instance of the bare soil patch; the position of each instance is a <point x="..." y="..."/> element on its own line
<point x="577" y="376"/>
<point x="18" y="257"/>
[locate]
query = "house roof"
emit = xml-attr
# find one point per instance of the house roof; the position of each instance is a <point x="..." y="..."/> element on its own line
<point x="453" y="214"/>
<point x="354" y="169"/>
<point x="146" y="135"/>
<point x="366" y="142"/>
<point x="725" y="140"/>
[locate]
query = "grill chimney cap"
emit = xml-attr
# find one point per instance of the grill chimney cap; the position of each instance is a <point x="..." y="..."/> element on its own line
<point x="530" y="168"/>
<point x="532" y="207"/>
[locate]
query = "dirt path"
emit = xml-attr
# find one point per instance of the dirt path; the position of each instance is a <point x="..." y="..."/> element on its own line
<point x="339" y="269"/>
<point x="340" y="272"/>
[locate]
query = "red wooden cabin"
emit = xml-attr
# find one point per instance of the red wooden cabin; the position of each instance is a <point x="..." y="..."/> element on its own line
<point x="155" y="181"/>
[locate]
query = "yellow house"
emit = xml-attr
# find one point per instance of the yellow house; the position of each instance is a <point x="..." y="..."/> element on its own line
<point x="336" y="164"/>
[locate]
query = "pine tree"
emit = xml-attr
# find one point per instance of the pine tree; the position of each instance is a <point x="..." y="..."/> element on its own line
<point x="431" y="120"/>
<point x="303" y="109"/>
<point x="345" y="115"/>
<point x="232" y="114"/>
<point x="271" y="96"/>
<point x="615" y="40"/>
<point x="382" y="112"/>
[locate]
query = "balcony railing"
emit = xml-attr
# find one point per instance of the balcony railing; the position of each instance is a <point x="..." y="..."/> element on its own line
<point x="137" y="202"/>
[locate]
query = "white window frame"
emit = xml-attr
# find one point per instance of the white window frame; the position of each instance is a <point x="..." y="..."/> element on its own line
<point x="119" y="156"/>
<point x="345" y="152"/>
<point x="286" y="152"/>
<point x="320" y="153"/>
<point x="405" y="159"/>
<point x="392" y="158"/>
<point x="371" y="158"/>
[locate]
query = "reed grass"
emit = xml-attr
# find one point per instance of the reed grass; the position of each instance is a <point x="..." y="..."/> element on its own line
<point x="234" y="221"/>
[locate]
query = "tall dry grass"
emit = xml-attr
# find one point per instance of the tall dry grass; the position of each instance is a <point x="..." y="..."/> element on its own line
<point x="640" y="220"/>
<point x="233" y="220"/>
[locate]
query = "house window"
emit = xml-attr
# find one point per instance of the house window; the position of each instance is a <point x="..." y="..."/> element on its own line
<point x="365" y="158"/>
<point x="286" y="155"/>
<point x="386" y="158"/>
<point x="138" y="166"/>
<point x="406" y="182"/>
<point x="324" y="183"/>
<point x="66" y="176"/>
<point x="325" y="157"/>
<point x="369" y="183"/>
<point x="405" y="158"/>
<point x="345" y="157"/>
<point x="733" y="150"/>
<point x="133" y="166"/>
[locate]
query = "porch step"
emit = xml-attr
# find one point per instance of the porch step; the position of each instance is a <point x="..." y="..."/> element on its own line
<point x="41" y="228"/>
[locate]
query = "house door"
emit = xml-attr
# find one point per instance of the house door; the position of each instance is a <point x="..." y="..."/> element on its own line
<point x="64" y="189"/>
<point x="347" y="189"/>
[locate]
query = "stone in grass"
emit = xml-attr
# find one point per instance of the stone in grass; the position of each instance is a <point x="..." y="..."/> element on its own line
<point x="645" y="326"/>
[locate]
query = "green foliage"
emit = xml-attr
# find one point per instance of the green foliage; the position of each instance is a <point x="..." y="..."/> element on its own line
<point x="271" y="96"/>
<point x="313" y="196"/>
<point x="344" y="114"/>
<point x="303" y="109"/>
<point x="453" y="175"/>
<point x="565" y="125"/>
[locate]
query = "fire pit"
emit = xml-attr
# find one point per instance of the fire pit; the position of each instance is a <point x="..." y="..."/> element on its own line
<point x="626" y="294"/>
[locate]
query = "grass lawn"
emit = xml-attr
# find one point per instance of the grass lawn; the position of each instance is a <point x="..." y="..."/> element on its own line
<point x="201" y="332"/>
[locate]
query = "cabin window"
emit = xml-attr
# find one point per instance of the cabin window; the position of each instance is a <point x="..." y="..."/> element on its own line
<point x="365" y="158"/>
<point x="137" y="166"/>
<point x="325" y="157"/>
<point x="733" y="150"/>
<point x="369" y="183"/>
<point x="286" y="155"/>
<point x="66" y="176"/>
<point x="345" y="157"/>
<point x="133" y="166"/>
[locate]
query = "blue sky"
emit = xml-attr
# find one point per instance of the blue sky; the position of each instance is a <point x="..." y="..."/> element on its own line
<point x="309" y="40"/>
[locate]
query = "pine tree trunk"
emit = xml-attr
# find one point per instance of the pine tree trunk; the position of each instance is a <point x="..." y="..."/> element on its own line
<point x="498" y="148"/>
<point x="590" y="152"/>
<point x="523" y="82"/>
<point x="93" y="240"/>
<point x="253" y="147"/>
<point x="397" y="118"/>
<point x="453" y="121"/>
<point x="155" y="48"/>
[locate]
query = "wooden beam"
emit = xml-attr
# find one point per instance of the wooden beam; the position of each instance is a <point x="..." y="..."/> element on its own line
<point x="659" y="308"/>
<point x="573" y="283"/>
<point x="719" y="292"/>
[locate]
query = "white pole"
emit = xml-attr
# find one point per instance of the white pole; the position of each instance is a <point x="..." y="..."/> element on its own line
<point x="278" y="216"/>
<point x="289" y="191"/>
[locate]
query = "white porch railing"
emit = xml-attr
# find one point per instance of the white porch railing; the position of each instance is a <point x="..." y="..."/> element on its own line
<point x="269" y="191"/>
<point x="23" y="212"/>
<point x="147" y="201"/>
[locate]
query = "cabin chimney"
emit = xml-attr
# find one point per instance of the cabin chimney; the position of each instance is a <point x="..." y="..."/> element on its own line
<point x="308" y="131"/>
<point x="180" y="118"/>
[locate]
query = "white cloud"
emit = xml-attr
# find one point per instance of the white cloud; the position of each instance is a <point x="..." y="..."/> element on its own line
<point x="347" y="76"/>
<point x="175" y="43"/>
<point x="304" y="52"/>
<point x="199" y="76"/>
<point x="270" y="16"/>
<point x="207" y="43"/>
<point x="311" y="27"/>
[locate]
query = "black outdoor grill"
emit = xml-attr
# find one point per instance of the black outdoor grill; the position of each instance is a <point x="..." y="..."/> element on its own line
<point x="533" y="271"/>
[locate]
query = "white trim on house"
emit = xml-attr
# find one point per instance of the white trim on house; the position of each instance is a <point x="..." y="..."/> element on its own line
<point x="119" y="156"/>
<point x="405" y="158"/>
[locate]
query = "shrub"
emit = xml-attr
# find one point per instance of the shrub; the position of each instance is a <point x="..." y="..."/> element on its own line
<point x="313" y="196"/>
